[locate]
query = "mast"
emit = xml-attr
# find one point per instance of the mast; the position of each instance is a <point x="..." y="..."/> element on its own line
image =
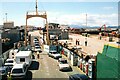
<point x="86" y="20"/>
<point x="36" y="8"/>
<point x="6" y="16"/>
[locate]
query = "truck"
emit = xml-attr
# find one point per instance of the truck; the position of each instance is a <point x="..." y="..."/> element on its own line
<point x="24" y="57"/>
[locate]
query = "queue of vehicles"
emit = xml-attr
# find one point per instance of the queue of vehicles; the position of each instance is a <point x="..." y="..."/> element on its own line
<point x="18" y="62"/>
<point x="18" y="65"/>
<point x="36" y="45"/>
<point x="63" y="64"/>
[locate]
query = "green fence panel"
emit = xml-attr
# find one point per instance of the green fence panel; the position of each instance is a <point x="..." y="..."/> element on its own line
<point x="112" y="52"/>
<point x="106" y="67"/>
<point x="105" y="49"/>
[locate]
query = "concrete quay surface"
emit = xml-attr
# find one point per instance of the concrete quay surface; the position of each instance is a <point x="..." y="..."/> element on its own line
<point x="94" y="44"/>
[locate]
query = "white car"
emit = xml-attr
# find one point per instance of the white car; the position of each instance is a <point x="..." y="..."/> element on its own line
<point x="36" y="41"/>
<point x="63" y="65"/>
<point x="37" y="48"/>
<point x="10" y="63"/>
<point x="54" y="54"/>
<point x="19" y="71"/>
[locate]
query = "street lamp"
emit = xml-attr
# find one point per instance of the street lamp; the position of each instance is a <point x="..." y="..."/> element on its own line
<point x="6" y="16"/>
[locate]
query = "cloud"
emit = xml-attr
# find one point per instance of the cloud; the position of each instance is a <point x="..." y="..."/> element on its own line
<point x="108" y="8"/>
<point x="77" y="19"/>
<point x="80" y="19"/>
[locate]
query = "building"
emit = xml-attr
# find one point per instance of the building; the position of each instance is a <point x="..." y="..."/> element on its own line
<point x="56" y="33"/>
<point x="8" y="25"/>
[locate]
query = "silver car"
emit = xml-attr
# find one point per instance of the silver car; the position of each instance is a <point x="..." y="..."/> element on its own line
<point x="63" y="65"/>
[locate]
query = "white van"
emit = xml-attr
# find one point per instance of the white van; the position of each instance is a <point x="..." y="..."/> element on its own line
<point x="24" y="57"/>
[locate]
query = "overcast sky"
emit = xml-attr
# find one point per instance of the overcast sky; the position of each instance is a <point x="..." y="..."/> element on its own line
<point x="98" y="13"/>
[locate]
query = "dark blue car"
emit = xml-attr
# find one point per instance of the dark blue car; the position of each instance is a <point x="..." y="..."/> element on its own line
<point x="78" y="77"/>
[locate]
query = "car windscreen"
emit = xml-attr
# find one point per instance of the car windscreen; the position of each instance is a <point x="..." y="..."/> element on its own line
<point x="37" y="46"/>
<point x="17" y="71"/>
<point x="9" y="61"/>
<point x="54" y="52"/>
<point x="63" y="62"/>
<point x="8" y="65"/>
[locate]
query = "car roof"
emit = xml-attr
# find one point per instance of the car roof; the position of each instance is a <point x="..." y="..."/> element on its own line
<point x="53" y="51"/>
<point x="10" y="60"/>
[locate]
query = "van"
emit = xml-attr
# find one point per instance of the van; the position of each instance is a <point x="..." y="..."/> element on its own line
<point x="19" y="71"/>
<point x="24" y="57"/>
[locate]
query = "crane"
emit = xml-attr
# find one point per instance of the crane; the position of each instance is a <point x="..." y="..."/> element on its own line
<point x="101" y="28"/>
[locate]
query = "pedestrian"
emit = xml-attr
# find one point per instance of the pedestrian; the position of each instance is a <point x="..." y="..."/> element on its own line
<point x="85" y="41"/>
<point x="38" y="55"/>
<point x="66" y="44"/>
<point x="76" y="41"/>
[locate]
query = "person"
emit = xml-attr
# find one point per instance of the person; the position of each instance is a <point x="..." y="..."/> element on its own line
<point x="85" y="41"/>
<point x="66" y="44"/>
<point x="38" y="55"/>
<point x="78" y="41"/>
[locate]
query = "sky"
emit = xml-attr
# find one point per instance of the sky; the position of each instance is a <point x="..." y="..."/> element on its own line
<point x="68" y="13"/>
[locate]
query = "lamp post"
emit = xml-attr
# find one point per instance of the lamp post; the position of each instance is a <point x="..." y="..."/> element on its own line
<point x="6" y="16"/>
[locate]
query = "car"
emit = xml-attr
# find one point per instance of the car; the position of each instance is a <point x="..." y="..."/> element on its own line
<point x="78" y="77"/>
<point x="37" y="48"/>
<point x="37" y="44"/>
<point x="63" y="65"/>
<point x="4" y="72"/>
<point x="36" y="41"/>
<point x="9" y="63"/>
<point x="19" y="71"/>
<point x="55" y="54"/>
<point x="50" y="53"/>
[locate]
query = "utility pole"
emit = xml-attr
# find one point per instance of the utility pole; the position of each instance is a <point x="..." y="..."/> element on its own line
<point x="36" y="8"/>
<point x="6" y="16"/>
<point x="86" y="20"/>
